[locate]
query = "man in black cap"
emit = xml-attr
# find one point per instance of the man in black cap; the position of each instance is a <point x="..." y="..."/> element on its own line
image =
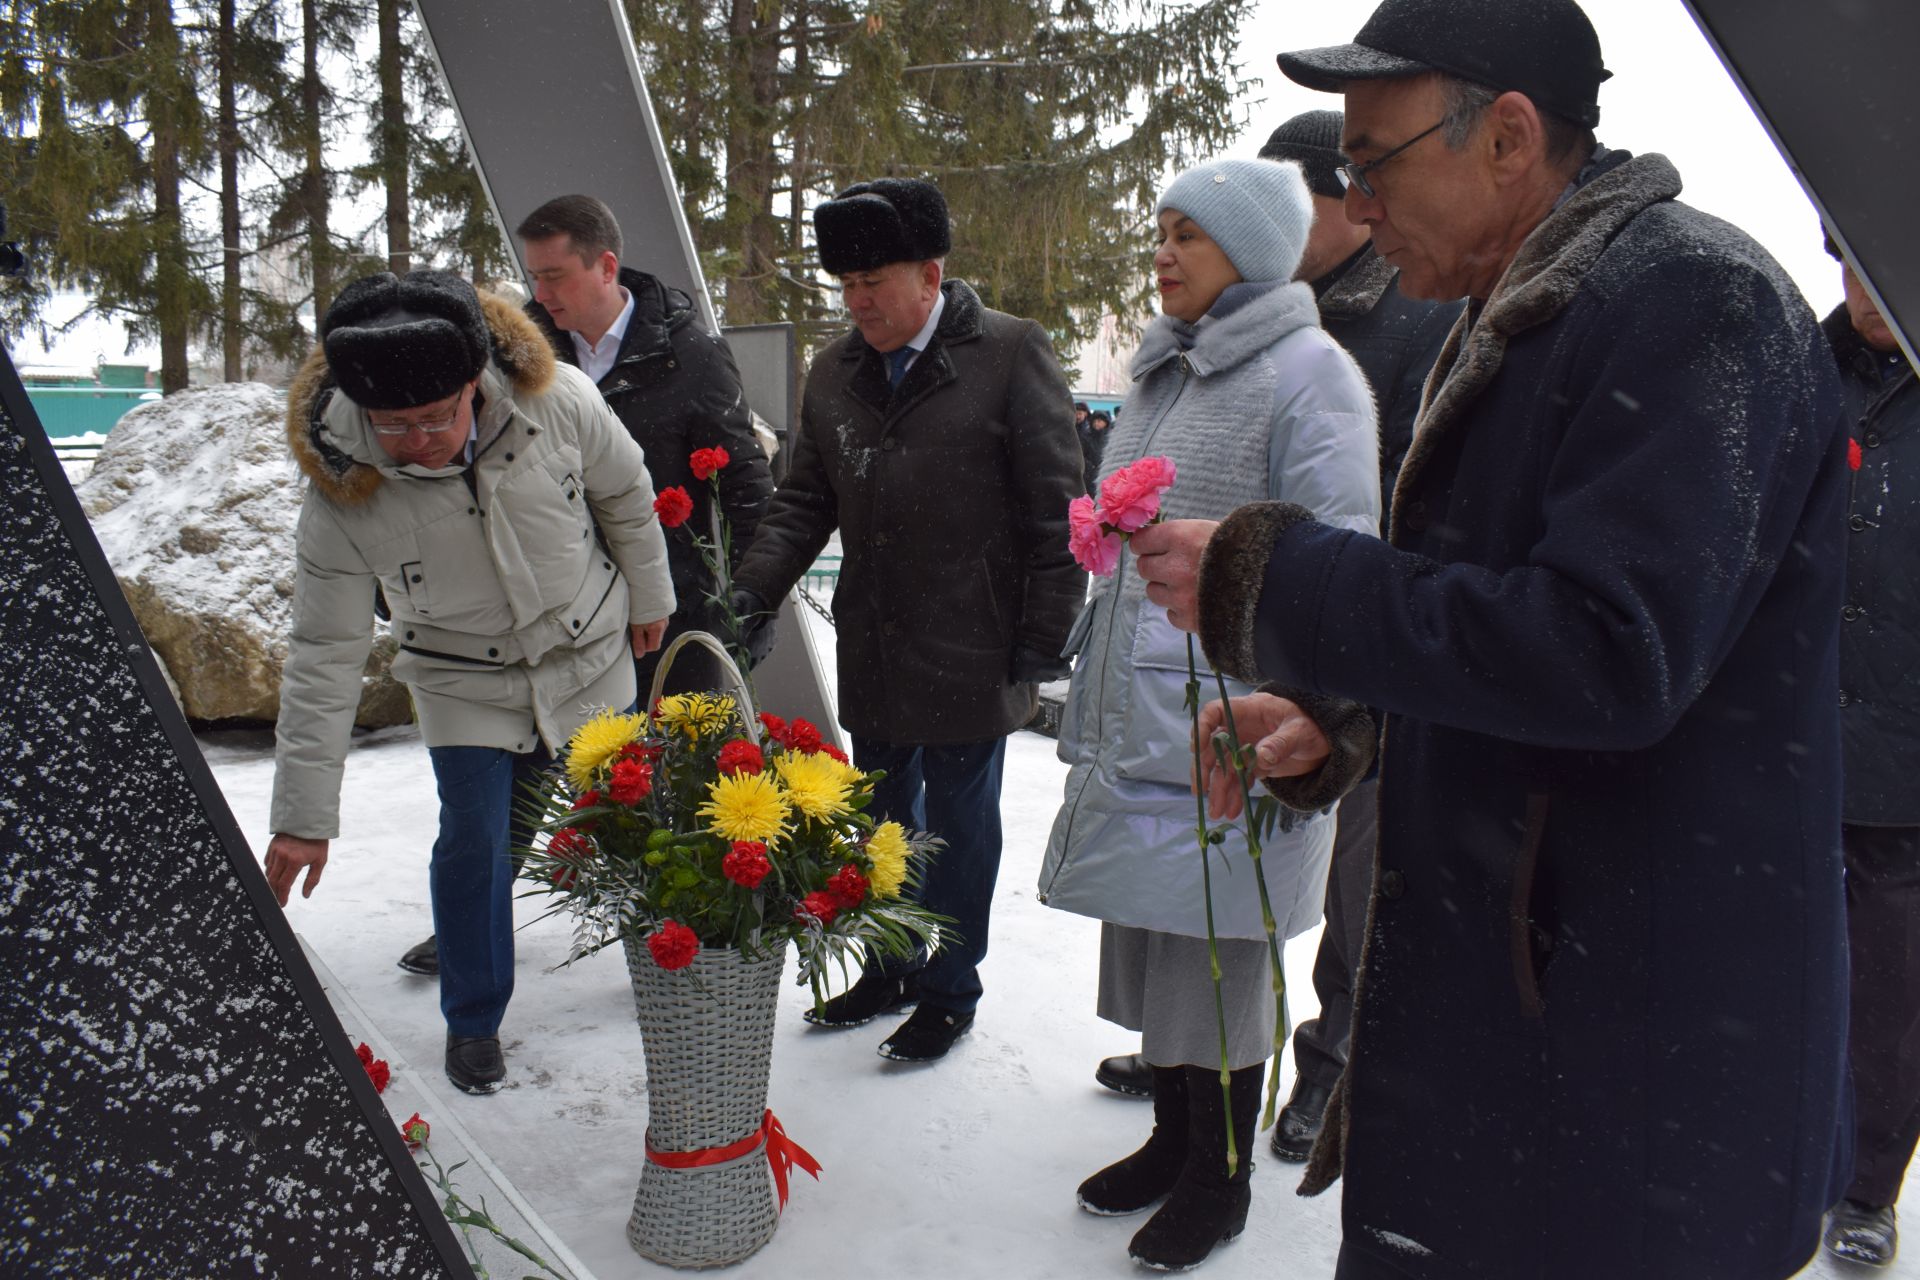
<point x="1601" y="1017"/>
<point x="937" y="438"/>
<point x="493" y="498"/>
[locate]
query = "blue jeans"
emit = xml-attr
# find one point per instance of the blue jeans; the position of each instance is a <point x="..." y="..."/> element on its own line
<point x="472" y="879"/>
<point x="954" y="792"/>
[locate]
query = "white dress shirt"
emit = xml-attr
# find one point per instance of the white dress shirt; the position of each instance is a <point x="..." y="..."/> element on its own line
<point x="597" y="358"/>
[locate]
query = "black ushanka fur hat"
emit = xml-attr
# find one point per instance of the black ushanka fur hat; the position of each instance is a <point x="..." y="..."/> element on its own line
<point x="887" y="220"/>
<point x="394" y="342"/>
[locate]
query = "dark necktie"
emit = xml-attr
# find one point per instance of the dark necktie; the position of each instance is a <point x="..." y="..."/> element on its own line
<point x="897" y="365"/>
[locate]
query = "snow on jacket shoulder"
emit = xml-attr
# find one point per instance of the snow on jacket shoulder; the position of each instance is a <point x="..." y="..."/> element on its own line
<point x="1254" y="403"/>
<point x="511" y="615"/>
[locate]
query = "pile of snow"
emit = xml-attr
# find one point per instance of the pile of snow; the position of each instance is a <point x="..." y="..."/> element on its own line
<point x="194" y="500"/>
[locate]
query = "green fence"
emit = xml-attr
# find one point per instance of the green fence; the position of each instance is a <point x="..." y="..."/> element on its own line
<point x="77" y="411"/>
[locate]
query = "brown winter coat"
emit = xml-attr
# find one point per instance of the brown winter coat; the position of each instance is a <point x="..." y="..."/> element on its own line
<point x="951" y="497"/>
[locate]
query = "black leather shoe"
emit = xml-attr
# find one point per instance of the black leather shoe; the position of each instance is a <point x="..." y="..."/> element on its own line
<point x="1128" y="1074"/>
<point x="474" y="1063"/>
<point x="1863" y="1233"/>
<point x="867" y="999"/>
<point x="423" y="958"/>
<point x="927" y="1035"/>
<point x="1300" y="1122"/>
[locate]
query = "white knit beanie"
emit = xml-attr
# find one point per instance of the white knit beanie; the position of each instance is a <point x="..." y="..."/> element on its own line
<point x="1257" y="211"/>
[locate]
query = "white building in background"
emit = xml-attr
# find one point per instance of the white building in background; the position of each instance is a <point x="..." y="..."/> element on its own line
<point x="1102" y="361"/>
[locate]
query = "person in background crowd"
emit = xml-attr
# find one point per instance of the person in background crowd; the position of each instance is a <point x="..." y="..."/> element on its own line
<point x="1239" y="387"/>
<point x="936" y="437"/>
<point x="1880" y="742"/>
<point x="460" y="469"/>
<point x="1601" y="1021"/>
<point x="1090" y="442"/>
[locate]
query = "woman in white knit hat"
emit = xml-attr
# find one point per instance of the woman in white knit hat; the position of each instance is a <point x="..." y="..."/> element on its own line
<point x="1239" y="386"/>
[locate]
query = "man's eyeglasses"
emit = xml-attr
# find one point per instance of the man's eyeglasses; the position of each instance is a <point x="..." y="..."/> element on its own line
<point x="438" y="424"/>
<point x="1355" y="175"/>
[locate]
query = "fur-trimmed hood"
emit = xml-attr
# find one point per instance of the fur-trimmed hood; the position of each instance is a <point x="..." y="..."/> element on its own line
<point x="328" y="433"/>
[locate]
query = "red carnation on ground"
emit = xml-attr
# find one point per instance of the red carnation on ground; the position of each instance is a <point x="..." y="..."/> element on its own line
<point x="673" y="506"/>
<point x="1853" y="454"/>
<point x="818" y="906"/>
<point x="747" y="864"/>
<point x="415" y="1130"/>
<point x="673" y="945"/>
<point x="630" y="781"/>
<point x="740" y="756"/>
<point x="376" y="1068"/>
<point x="848" y="887"/>
<point x="707" y="461"/>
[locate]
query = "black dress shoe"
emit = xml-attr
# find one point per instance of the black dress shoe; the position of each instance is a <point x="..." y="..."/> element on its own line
<point x="927" y="1035"/>
<point x="1128" y="1074"/>
<point x="867" y="999"/>
<point x="474" y="1063"/>
<point x="1300" y="1122"/>
<point x="423" y="958"/>
<point x="1863" y="1233"/>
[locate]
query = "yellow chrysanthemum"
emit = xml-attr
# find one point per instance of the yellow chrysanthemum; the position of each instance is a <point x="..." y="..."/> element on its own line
<point x="817" y="785"/>
<point x="887" y="850"/>
<point x="694" y="715"/>
<point x="598" y="741"/>
<point x="746" y="806"/>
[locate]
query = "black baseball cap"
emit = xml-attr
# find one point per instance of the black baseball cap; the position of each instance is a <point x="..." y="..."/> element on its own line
<point x="1546" y="49"/>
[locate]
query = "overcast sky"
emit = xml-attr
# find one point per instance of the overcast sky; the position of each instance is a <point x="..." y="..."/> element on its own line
<point x="1668" y="93"/>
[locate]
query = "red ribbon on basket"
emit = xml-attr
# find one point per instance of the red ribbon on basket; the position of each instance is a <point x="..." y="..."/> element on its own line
<point x="783" y="1153"/>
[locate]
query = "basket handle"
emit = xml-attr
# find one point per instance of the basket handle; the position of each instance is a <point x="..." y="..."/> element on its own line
<point x="729" y="669"/>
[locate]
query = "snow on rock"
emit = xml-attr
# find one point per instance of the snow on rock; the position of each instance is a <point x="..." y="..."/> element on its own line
<point x="194" y="500"/>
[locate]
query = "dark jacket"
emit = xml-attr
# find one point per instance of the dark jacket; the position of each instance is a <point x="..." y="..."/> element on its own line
<point x="1600" y="1019"/>
<point x="1093" y="443"/>
<point x="951" y="497"/>
<point x="1393" y="338"/>
<point x="1880" y="622"/>
<point x="675" y="388"/>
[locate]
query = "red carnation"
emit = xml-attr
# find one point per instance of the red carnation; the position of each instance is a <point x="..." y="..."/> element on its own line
<point x="631" y="781"/>
<point x="570" y="844"/>
<point x="564" y="876"/>
<point x="376" y="1068"/>
<point x="673" y="506"/>
<point x="673" y="945"/>
<point x="587" y="800"/>
<point x="645" y="752"/>
<point x="802" y="737"/>
<point x="415" y="1130"/>
<point x="741" y="756"/>
<point x="820" y="906"/>
<point x="828" y="749"/>
<point x="1853" y="454"/>
<point x="747" y="864"/>
<point x="707" y="461"/>
<point x="776" y="727"/>
<point x="848" y="887"/>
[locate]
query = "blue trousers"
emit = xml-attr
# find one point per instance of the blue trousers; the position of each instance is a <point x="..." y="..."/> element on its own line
<point x="954" y="792"/>
<point x="472" y="879"/>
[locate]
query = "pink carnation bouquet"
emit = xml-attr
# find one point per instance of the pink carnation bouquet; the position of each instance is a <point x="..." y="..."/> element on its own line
<point x="1129" y="500"/>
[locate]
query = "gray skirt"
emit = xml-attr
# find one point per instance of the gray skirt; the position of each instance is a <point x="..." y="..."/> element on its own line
<point x="1161" y="985"/>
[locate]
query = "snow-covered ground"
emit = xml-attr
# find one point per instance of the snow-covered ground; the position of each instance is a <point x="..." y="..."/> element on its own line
<point x="963" y="1168"/>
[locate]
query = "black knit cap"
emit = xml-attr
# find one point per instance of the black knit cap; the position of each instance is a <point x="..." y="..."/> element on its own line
<point x="394" y="342"/>
<point x="1546" y="49"/>
<point x="1312" y="141"/>
<point x="887" y="220"/>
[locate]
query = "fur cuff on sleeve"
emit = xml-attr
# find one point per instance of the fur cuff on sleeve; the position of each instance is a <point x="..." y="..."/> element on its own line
<point x="1232" y="571"/>
<point x="1349" y="730"/>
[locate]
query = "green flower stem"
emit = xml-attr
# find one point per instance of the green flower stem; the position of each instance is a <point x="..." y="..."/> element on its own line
<point x="465" y="1216"/>
<point x="1205" y="836"/>
<point x="1234" y="755"/>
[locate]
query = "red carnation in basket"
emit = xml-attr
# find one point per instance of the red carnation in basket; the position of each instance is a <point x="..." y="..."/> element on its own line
<point x="707" y="461"/>
<point x="746" y="865"/>
<point x="569" y="844"/>
<point x="630" y="781"/>
<point x="673" y="506"/>
<point x="819" y="906"/>
<point x="832" y="752"/>
<point x="415" y="1130"/>
<point x="848" y="887"/>
<point x="802" y="737"/>
<point x="673" y="945"/>
<point x="775" y="727"/>
<point x="740" y="756"/>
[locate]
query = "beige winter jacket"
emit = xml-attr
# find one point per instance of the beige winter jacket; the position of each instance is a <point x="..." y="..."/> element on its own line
<point x="512" y="617"/>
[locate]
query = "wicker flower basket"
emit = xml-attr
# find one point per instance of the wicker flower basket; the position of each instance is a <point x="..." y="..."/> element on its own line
<point x="707" y="1031"/>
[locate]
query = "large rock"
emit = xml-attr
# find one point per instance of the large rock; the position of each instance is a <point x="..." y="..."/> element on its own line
<point x="194" y="500"/>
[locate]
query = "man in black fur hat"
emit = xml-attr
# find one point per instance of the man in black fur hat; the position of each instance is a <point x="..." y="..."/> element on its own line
<point x="938" y="439"/>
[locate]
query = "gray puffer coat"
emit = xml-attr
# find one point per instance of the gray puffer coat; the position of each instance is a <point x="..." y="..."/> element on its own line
<point x="1254" y="402"/>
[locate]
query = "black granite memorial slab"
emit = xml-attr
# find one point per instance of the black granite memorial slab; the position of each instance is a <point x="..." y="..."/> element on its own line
<point x="176" y="1095"/>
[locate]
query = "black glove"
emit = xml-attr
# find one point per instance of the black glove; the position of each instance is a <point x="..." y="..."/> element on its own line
<point x="756" y="624"/>
<point x="1030" y="666"/>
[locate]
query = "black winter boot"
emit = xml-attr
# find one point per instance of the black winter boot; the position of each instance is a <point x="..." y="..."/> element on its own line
<point x="1208" y="1205"/>
<point x="1137" y="1183"/>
